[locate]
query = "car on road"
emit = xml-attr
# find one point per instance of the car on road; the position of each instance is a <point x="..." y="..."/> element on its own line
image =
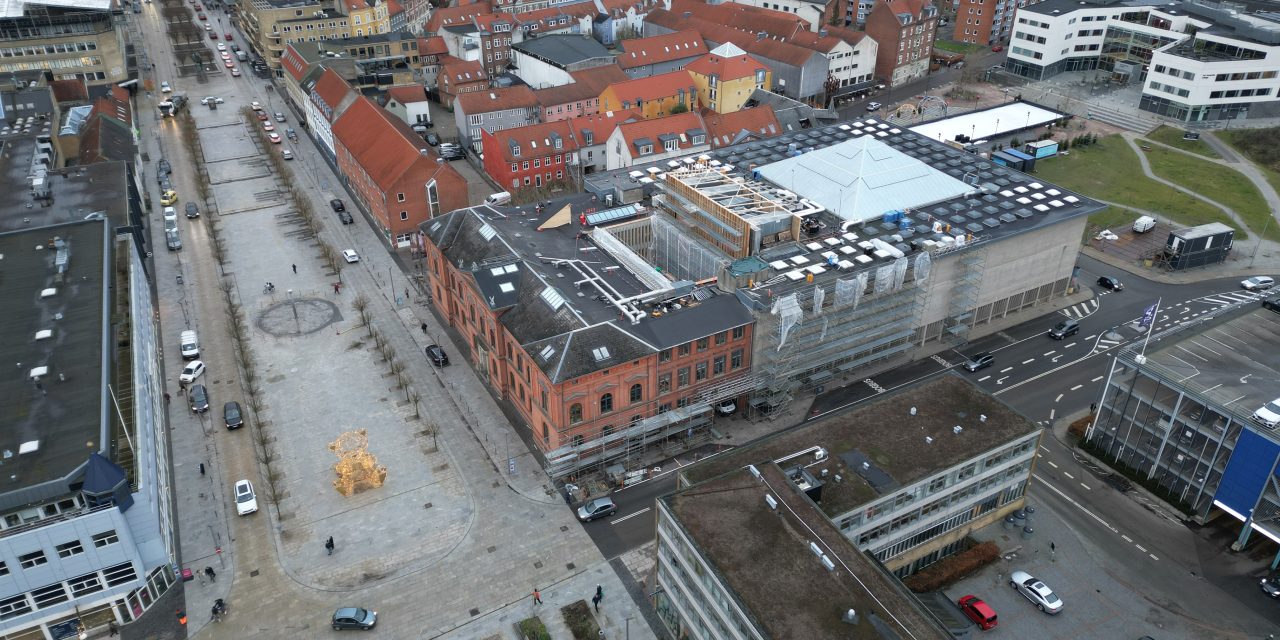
<point x="163" y="167"/>
<point x="262" y="116"/>
<point x="228" y="64"/>
<point x="198" y="398"/>
<point x="354" y="618"/>
<point x="1036" y="591"/>
<point x="286" y="154"/>
<point x="979" y="612"/>
<point x="291" y="134"/>
<point x="345" y="217"/>
<point x="337" y="205"/>
<point x="212" y="99"/>
<point x="437" y="355"/>
<point x="193" y="211"/>
<point x="169" y="198"/>
<point x="172" y="241"/>
<point x="202" y="16"/>
<point x="1269" y="415"/>
<point x="997" y="49"/>
<point x="979" y="361"/>
<point x="597" y="508"/>
<point x="433" y="139"/>
<point x="280" y="116"/>
<point x="874" y="106"/>
<point x="727" y="407"/>
<point x="274" y="137"/>
<point x="1064" y="329"/>
<point x="226" y="57"/>
<point x="209" y="29"/>
<point x="193" y="370"/>
<point x="1271" y="586"/>
<point x="221" y="47"/>
<point x="255" y="105"/>
<point x="1272" y="304"/>
<point x="1258" y="283"/>
<point x="227" y="36"/>
<point x="350" y="255"/>
<point x="267" y="126"/>
<point x="246" y="499"/>
<point x="165" y="88"/>
<point x="1109" y="282"/>
<point x="231" y="415"/>
<point x="235" y="72"/>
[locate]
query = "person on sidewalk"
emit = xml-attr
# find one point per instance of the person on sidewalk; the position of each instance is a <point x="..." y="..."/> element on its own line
<point x="112" y="628"/>
<point x="213" y="575"/>
<point x="595" y="600"/>
<point x="537" y="596"/>
<point x="599" y="592"/>
<point x="202" y="468"/>
<point x="295" y="269"/>
<point x="328" y="545"/>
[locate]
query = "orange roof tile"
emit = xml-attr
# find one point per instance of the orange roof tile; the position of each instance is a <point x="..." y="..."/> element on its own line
<point x="653" y="87"/>
<point x="588" y="83"/>
<point x="74" y="90"/>
<point x="454" y="16"/>
<point x="779" y="24"/>
<point x="460" y="71"/>
<point x="748" y="41"/>
<point x="408" y="94"/>
<point x="383" y="145"/>
<point x="433" y="46"/>
<point x="496" y="99"/>
<point x="332" y="88"/>
<point x="680" y="124"/>
<point x="727" y="128"/>
<point x="599" y="77"/>
<point x="727" y="67"/>
<point x="293" y="63"/>
<point x="533" y="140"/>
<point x="394" y="7"/>
<point x="595" y="128"/>
<point x="663" y="48"/>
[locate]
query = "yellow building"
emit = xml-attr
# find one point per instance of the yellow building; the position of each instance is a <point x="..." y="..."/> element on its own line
<point x="368" y="17"/>
<point x="726" y="77"/>
<point x="655" y="96"/>
<point x="271" y="25"/>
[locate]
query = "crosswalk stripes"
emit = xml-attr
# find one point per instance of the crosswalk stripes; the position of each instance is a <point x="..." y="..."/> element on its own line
<point x="1231" y="297"/>
<point x="1078" y="311"/>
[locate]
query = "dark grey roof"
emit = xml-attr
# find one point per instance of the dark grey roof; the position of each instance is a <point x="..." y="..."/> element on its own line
<point x="718" y="313"/>
<point x="499" y="283"/>
<point x="587" y="350"/>
<point x="531" y="319"/>
<point x="461" y="237"/>
<point x="1060" y="7"/>
<point x="562" y="50"/>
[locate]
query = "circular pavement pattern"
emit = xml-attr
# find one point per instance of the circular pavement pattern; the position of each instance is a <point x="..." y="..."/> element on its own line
<point x="298" y="317"/>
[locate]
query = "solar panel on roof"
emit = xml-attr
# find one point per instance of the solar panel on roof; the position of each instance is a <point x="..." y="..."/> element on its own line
<point x="991" y="222"/>
<point x="973" y="227"/>
<point x="1008" y="217"/>
<point x="1023" y="213"/>
<point x="611" y="215"/>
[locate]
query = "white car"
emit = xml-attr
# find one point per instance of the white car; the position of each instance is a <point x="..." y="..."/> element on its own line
<point x="350" y="255"/>
<point x="192" y="371"/>
<point x="222" y="47"/>
<point x="1036" y="591"/>
<point x="246" y="499"/>
<point x="256" y="106"/>
<point x="212" y="100"/>
<point x="286" y="154"/>
<point x="1269" y="415"/>
<point x="874" y="106"/>
<point x="165" y="88"/>
<point x="1258" y="283"/>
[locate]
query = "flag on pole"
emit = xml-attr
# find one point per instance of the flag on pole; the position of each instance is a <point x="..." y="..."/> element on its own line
<point x="1149" y="316"/>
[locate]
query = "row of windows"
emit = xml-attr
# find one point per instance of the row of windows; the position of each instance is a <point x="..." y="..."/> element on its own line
<point x="48" y="49"/>
<point x="1023" y="35"/>
<point x="1035" y="23"/>
<point x="312" y="26"/>
<point x="1241" y="93"/>
<point x="61" y="63"/>
<point x="1181" y="93"/>
<point x="1170" y="71"/>
<point x="590" y="102"/>
<point x="1252" y="75"/>
<point x="537" y="179"/>
<point x="65" y="550"/>
<point x="538" y="162"/>
<point x="60" y="592"/>
<point x="699" y="373"/>
<point x="703" y="343"/>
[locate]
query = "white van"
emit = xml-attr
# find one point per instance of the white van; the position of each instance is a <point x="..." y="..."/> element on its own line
<point x="190" y="345"/>
<point x="1143" y="224"/>
<point x="501" y="197"/>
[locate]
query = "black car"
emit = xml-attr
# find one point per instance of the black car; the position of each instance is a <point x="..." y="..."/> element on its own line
<point x="199" y="398"/>
<point x="1107" y="282"/>
<point x="1271" y="586"/>
<point x="354" y="618"/>
<point x="337" y="205"/>
<point x="231" y="415"/>
<point x="345" y="217"/>
<point x="1272" y="304"/>
<point x="433" y="139"/>
<point x="979" y="361"/>
<point x="163" y="168"/>
<point x="192" y="210"/>
<point x="437" y="355"/>
<point x="1063" y="329"/>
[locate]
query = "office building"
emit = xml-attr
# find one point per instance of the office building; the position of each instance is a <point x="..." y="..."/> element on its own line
<point x="70" y="40"/>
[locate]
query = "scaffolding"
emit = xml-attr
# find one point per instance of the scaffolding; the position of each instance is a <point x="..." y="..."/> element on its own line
<point x="669" y="246"/>
<point x="962" y="307"/>
<point x="628" y="444"/>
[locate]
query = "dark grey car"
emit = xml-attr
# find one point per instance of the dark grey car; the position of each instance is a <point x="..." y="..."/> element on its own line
<point x="979" y="361"/>
<point x="354" y="618"/>
<point x="437" y="355"/>
<point x="231" y="415"/>
<point x="199" y="398"/>
<point x="1063" y="329"/>
<point x="192" y="210"/>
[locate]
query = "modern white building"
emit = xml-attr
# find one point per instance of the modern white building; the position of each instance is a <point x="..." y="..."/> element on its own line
<point x="1195" y="61"/>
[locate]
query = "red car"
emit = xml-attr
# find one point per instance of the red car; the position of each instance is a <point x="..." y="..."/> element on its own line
<point x="202" y="17"/>
<point x="997" y="49"/>
<point x="228" y="36"/>
<point x="213" y="36"/>
<point x="979" y="612"/>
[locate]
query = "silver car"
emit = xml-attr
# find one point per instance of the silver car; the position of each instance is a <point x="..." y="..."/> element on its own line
<point x="597" y="508"/>
<point x="1036" y="591"/>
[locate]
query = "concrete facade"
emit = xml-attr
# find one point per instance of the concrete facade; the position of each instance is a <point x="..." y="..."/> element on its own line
<point x="82" y="44"/>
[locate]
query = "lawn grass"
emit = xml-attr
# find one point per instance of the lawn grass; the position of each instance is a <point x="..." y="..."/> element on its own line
<point x="1232" y="138"/>
<point x="1173" y="137"/>
<point x="957" y="47"/>
<point x="1222" y="184"/>
<point x="1110" y="171"/>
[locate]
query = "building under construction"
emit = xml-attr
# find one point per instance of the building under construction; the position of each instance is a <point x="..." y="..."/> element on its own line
<point x="855" y="243"/>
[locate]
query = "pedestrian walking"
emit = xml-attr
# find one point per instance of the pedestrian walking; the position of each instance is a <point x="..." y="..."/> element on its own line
<point x="112" y="628"/>
<point x="201" y="468"/>
<point x="599" y="592"/>
<point x="182" y="617"/>
<point x="424" y="327"/>
<point x="213" y="575"/>
<point x="595" y="600"/>
<point x="537" y="596"/>
<point x="295" y="269"/>
<point x="166" y="398"/>
<point x="336" y="287"/>
<point x="328" y="545"/>
<point x="1093" y="408"/>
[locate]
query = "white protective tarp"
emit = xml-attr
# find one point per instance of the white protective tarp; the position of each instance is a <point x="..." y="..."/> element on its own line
<point x="884" y="278"/>
<point x="899" y="272"/>
<point x="788" y="311"/>
<point x="818" y="296"/>
<point x="923" y="264"/>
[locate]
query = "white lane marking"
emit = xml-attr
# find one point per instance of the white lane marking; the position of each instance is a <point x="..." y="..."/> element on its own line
<point x="1052" y="413"/>
<point x="1097" y="379"/>
<point x="1059" y="398"/>
<point x="1050" y="463"/>
<point x="1070" y="345"/>
<point x="1153" y="557"/>
<point x="1046" y="449"/>
<point x="1068" y="475"/>
<point x="1076" y="387"/>
<point x="1077" y="505"/>
<point x="1126" y="538"/>
<point x="983" y="378"/>
<point x="629" y="516"/>
<point x="1088" y="338"/>
<point x="1086" y="487"/>
<point x="1141" y="548"/>
<point x="1006" y="370"/>
<point x="1028" y="361"/>
<point x="1048" y="353"/>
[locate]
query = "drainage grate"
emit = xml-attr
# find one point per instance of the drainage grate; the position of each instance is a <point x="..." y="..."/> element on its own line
<point x="253" y="574"/>
<point x="426" y="506"/>
<point x="491" y="549"/>
<point x="537" y="565"/>
<point x="564" y="528"/>
<point x="475" y="612"/>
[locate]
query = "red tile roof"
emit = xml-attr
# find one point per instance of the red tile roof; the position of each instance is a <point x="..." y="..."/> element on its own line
<point x="714" y="32"/>
<point x="454" y="16"/>
<point x="433" y="46"/>
<point x="778" y="24"/>
<point x="383" y="145"/>
<point x="394" y="7"/>
<point x="588" y="83"/>
<point x="599" y="77"/>
<point x="727" y="67"/>
<point x="408" y="94"/>
<point x="727" y="128"/>
<point x="538" y="20"/>
<point x="293" y="63"/>
<point x="679" y="124"/>
<point x="653" y="87"/>
<point x="600" y="125"/>
<point x="332" y="89"/>
<point x="460" y="71"/>
<point x="534" y="140"/>
<point x="74" y="90"/>
<point x="663" y="48"/>
<point x="496" y="99"/>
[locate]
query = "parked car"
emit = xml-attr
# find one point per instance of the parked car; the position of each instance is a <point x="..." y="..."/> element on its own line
<point x="227" y="36"/>
<point x="597" y="508"/>
<point x="1108" y="282"/>
<point x="193" y="211"/>
<point x="232" y="416"/>
<point x="433" y="139"/>
<point x="274" y="137"/>
<point x="235" y="72"/>
<point x="1269" y="415"/>
<point x="979" y="612"/>
<point x="1272" y="304"/>
<point x="1036" y="591"/>
<point x="354" y="618"/>
<point x="350" y="255"/>
<point x="337" y="205"/>
<point x="193" y="370"/>
<point x="345" y="217"/>
<point x="286" y="154"/>
<point x="172" y="240"/>
<point x="979" y="361"/>
<point x="198" y="398"/>
<point x="1258" y="283"/>
<point x="246" y="499"/>
<point x="163" y="167"/>
<point x="267" y="126"/>
<point x="168" y="198"/>
<point x="874" y="106"/>
<point x="1271" y="586"/>
<point x="727" y="407"/>
<point x="997" y="49"/>
<point x="437" y="355"/>
<point x="1064" y="329"/>
<point x="165" y="88"/>
<point x="213" y="99"/>
<point x="280" y="116"/>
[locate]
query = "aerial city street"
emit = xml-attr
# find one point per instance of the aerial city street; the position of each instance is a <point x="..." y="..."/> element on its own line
<point x="669" y="319"/>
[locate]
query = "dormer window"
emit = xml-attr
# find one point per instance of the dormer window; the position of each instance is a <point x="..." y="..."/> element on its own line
<point x="515" y="150"/>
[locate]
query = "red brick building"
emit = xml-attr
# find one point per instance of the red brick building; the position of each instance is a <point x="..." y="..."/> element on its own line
<point x="533" y="156"/>
<point x="905" y="31"/>
<point x="457" y="77"/>
<point x="494" y="33"/>
<point x="589" y="376"/>
<point x="397" y="178"/>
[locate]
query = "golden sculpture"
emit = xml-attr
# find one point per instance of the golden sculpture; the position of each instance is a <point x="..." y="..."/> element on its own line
<point x="357" y="469"/>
